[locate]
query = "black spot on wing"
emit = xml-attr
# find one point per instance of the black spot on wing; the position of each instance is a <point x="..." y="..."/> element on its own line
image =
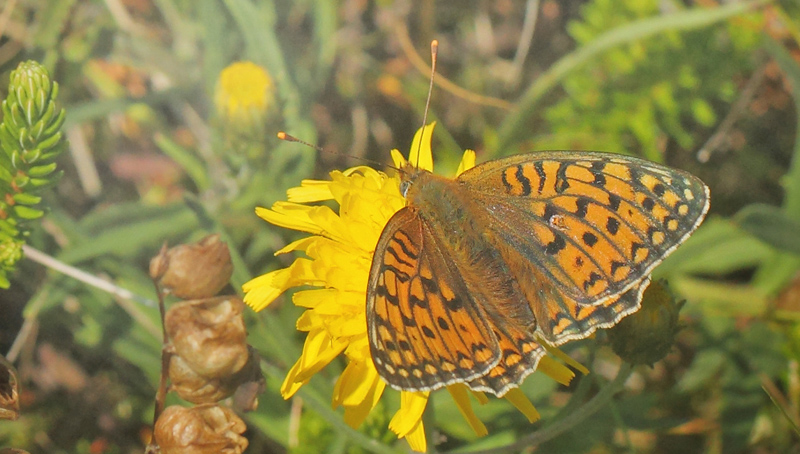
<point x="614" y="201"/>
<point x="562" y="182"/>
<point x="589" y="239"/>
<point x="540" y="172"/>
<point x="612" y="225"/>
<point x="583" y="205"/>
<point x="557" y="245"/>
<point x="524" y="181"/>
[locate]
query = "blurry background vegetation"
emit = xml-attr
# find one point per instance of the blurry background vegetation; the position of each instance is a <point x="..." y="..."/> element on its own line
<point x="707" y="86"/>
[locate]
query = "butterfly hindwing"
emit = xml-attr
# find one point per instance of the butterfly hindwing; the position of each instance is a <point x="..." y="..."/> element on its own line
<point x="520" y="354"/>
<point x="594" y="223"/>
<point x="425" y="330"/>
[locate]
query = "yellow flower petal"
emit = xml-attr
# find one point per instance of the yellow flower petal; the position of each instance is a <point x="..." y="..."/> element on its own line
<point x="310" y="191"/>
<point x="354" y="383"/>
<point x="290" y="216"/>
<point x="556" y="370"/>
<point x="318" y="350"/>
<point x="398" y="159"/>
<point x="412" y="405"/>
<point x="358" y="350"/>
<point x="519" y="400"/>
<point x="481" y="396"/>
<point x="566" y="358"/>
<point x="460" y="395"/>
<point x="355" y="415"/>
<point x="299" y="245"/>
<point x="467" y="162"/>
<point x="421" y="155"/>
<point x="328" y="301"/>
<point x="416" y="438"/>
<point x="263" y="290"/>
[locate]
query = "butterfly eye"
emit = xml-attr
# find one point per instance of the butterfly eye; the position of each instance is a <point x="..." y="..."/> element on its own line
<point x="404" y="185"/>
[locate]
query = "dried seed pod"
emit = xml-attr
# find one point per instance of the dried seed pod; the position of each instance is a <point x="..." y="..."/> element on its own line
<point x="209" y="335"/>
<point x="9" y="393"/>
<point x="196" y="270"/>
<point x="251" y="383"/>
<point x="205" y="429"/>
<point x="197" y="389"/>
<point x="193" y="387"/>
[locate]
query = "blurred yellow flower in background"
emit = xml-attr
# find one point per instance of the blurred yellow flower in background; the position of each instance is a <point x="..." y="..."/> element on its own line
<point x="245" y="92"/>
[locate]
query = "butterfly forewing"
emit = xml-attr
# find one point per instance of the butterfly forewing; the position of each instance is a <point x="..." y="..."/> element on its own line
<point x="594" y="223"/>
<point x="424" y="328"/>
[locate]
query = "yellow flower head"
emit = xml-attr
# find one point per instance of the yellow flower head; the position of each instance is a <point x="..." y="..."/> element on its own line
<point x="339" y="254"/>
<point x="244" y="93"/>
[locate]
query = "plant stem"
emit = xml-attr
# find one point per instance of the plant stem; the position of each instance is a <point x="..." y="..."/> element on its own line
<point x="75" y="273"/>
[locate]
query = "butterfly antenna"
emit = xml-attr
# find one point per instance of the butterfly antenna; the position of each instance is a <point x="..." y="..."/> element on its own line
<point x="434" y="54"/>
<point x="289" y="138"/>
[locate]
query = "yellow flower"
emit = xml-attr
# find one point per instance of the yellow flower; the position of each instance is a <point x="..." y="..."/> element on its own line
<point x="244" y="93"/>
<point x="339" y="254"/>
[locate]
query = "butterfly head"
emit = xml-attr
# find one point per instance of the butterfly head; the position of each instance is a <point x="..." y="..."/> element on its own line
<point x="411" y="177"/>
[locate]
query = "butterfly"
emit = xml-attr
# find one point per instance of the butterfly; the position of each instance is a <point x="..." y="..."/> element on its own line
<point x="474" y="274"/>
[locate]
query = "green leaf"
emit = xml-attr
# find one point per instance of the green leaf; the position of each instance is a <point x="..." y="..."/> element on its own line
<point x="187" y="159"/>
<point x="515" y="125"/>
<point x="128" y="239"/>
<point x="26" y="199"/>
<point x="717" y="247"/>
<point x="771" y="225"/>
<point x="27" y="213"/>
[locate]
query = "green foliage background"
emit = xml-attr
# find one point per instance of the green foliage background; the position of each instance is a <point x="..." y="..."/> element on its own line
<point x="152" y="161"/>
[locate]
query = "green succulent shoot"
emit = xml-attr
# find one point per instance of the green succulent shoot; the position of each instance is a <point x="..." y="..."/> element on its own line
<point x="31" y="141"/>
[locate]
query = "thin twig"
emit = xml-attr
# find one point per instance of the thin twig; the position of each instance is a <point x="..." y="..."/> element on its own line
<point x="717" y="139"/>
<point x="84" y="162"/>
<point x="600" y="400"/>
<point x="441" y="81"/>
<point x="524" y="44"/>
<point x="80" y="275"/>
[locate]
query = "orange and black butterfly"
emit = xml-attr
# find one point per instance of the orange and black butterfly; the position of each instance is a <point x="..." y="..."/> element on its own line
<point x="474" y="273"/>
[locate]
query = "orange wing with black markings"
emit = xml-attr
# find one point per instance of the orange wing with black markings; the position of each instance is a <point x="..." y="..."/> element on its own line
<point x="596" y="223"/>
<point x="425" y="330"/>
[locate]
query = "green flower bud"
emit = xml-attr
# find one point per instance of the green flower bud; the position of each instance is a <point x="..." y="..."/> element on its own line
<point x="648" y="335"/>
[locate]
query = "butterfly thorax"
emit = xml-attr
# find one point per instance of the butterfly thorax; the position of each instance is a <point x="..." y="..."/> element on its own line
<point x="448" y="209"/>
